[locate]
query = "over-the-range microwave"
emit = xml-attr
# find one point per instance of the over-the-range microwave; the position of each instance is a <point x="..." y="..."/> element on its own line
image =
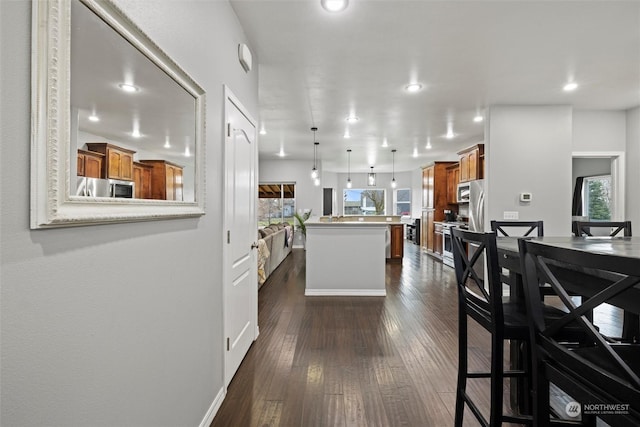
<point x="463" y="193"/>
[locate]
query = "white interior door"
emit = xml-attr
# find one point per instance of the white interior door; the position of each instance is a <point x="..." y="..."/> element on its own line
<point x="240" y="234"/>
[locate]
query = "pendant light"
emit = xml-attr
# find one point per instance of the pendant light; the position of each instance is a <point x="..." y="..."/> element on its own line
<point x="314" y="170"/>
<point x="348" y="168"/>
<point x="371" y="178"/>
<point x="393" y="166"/>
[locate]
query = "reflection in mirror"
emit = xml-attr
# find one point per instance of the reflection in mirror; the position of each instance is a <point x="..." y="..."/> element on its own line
<point x="133" y="124"/>
<point x="117" y="125"/>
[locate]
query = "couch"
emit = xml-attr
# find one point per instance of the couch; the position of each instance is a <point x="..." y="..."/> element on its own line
<point x="274" y="244"/>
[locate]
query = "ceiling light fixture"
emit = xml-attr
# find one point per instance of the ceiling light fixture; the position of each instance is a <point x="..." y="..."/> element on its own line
<point x="450" y="133"/>
<point x="281" y="152"/>
<point x="348" y="168"/>
<point x="352" y="119"/>
<point x="262" y="130"/>
<point x="136" y="133"/>
<point x="94" y="118"/>
<point x="413" y="87"/>
<point x="187" y="153"/>
<point x="166" y="143"/>
<point x="570" y="86"/>
<point x="415" y="152"/>
<point x="428" y="146"/>
<point x="347" y="135"/>
<point x="393" y="169"/>
<point x="128" y="88"/>
<point x="371" y="178"/>
<point x="385" y="143"/>
<point x="478" y="118"/>
<point x="334" y="5"/>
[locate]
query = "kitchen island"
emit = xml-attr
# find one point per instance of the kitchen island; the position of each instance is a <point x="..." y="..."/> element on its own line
<point x="346" y="257"/>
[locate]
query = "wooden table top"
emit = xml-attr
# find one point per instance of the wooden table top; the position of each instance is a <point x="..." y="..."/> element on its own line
<point x="620" y="246"/>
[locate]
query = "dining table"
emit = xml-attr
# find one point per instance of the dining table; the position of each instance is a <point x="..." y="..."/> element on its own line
<point x="582" y="282"/>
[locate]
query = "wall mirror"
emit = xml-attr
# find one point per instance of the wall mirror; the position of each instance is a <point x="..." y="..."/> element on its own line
<point x="117" y="125"/>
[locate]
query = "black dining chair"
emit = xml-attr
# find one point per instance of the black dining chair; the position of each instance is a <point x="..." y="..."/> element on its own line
<point x="584" y="228"/>
<point x="631" y="323"/>
<point x="516" y="229"/>
<point x="598" y="371"/>
<point x="522" y="228"/>
<point x="480" y="297"/>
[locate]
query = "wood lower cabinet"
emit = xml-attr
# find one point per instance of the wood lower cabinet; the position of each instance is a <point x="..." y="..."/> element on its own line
<point x="471" y="163"/>
<point x="166" y="180"/>
<point x="118" y="161"/>
<point x="142" y="180"/>
<point x="437" y="239"/>
<point x="90" y="164"/>
<point x="397" y="242"/>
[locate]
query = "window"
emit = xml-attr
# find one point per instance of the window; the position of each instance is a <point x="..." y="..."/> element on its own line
<point x="276" y="203"/>
<point x="596" y="197"/>
<point x="363" y="202"/>
<point x="402" y="201"/>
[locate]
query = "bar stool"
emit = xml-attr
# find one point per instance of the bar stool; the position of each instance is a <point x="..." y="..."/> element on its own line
<point x="480" y="297"/>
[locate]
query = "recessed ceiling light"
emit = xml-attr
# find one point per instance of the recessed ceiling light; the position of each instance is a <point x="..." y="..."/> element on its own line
<point x="570" y="86"/>
<point x="281" y="153"/>
<point x="413" y="87"/>
<point x="334" y="5"/>
<point x="478" y="118"/>
<point x="352" y="119"/>
<point x="167" y="144"/>
<point x="128" y="88"/>
<point x="428" y="146"/>
<point x="94" y="118"/>
<point x="385" y="143"/>
<point x="136" y="133"/>
<point x="415" y="152"/>
<point x="347" y="135"/>
<point x="187" y="152"/>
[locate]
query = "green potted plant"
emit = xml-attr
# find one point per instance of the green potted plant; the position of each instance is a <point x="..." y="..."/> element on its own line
<point x="301" y="225"/>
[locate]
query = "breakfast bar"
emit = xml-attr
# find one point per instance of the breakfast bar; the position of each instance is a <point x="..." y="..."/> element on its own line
<point x="346" y="258"/>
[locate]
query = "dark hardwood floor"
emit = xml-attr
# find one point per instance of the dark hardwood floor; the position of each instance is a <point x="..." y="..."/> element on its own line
<point x="356" y="361"/>
<point x="353" y="361"/>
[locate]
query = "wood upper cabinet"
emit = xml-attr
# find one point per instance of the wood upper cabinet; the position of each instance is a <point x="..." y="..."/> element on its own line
<point x="471" y="163"/>
<point x="90" y="164"/>
<point x="142" y="180"/>
<point x="453" y="178"/>
<point x="397" y="242"/>
<point x="118" y="161"/>
<point x="166" y="180"/>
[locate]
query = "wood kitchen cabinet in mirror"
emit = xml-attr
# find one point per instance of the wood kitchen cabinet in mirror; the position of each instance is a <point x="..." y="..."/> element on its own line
<point x="90" y="164"/>
<point x="118" y="161"/>
<point x="166" y="180"/>
<point x="142" y="180"/>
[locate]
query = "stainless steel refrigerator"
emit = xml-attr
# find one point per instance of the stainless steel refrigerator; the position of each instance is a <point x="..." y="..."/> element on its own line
<point x="476" y="205"/>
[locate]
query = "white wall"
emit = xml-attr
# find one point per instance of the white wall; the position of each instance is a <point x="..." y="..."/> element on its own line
<point x="599" y="131"/>
<point x="115" y="325"/>
<point x="528" y="149"/>
<point x="589" y="167"/>
<point x="632" y="207"/>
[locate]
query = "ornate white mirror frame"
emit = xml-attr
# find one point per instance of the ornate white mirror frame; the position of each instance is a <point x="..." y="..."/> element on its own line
<point x="54" y="202"/>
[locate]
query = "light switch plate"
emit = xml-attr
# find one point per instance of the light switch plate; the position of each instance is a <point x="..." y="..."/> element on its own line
<point x="510" y="215"/>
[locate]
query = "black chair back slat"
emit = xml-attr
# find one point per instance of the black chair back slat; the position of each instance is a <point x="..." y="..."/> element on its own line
<point x="525" y="228"/>
<point x="583" y="228"/>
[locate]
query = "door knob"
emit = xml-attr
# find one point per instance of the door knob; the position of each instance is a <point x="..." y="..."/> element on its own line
<point x="254" y="245"/>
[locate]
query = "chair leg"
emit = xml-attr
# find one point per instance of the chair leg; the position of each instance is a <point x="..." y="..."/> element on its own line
<point x="497" y="379"/>
<point x="540" y="398"/>
<point x="462" y="367"/>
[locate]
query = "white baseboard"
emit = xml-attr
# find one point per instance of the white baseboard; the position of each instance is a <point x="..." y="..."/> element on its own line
<point x="345" y="292"/>
<point x="213" y="409"/>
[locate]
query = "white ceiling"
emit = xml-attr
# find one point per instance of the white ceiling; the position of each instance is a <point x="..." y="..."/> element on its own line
<point x="318" y="67"/>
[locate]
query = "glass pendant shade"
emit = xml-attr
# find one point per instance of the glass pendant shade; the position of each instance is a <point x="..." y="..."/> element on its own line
<point x="371" y="178"/>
